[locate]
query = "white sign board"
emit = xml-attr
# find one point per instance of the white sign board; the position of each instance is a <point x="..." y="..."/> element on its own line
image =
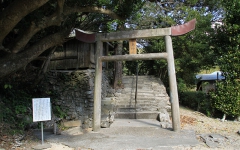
<point x="41" y="109"/>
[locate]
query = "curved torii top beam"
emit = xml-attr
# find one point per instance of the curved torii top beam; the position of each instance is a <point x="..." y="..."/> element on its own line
<point x="135" y="34"/>
<point x="183" y="29"/>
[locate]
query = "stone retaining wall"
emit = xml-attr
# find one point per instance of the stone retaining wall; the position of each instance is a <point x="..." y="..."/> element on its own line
<point x="71" y="94"/>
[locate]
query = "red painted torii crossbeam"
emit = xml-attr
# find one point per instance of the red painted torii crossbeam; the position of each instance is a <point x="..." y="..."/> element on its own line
<point x="183" y="29"/>
<point x="148" y="33"/>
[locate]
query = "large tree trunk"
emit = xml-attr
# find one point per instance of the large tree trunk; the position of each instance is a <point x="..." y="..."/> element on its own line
<point x="14" y="62"/>
<point x="118" y="67"/>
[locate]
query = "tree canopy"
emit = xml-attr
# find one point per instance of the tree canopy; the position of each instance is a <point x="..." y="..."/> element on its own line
<point x="191" y="51"/>
<point x="225" y="43"/>
<point x="29" y="27"/>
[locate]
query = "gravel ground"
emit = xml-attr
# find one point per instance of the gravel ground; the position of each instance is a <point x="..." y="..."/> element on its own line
<point x="204" y="125"/>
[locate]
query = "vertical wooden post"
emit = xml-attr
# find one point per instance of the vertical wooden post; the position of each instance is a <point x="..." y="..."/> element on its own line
<point x="132" y="46"/>
<point x="173" y="85"/>
<point x="98" y="88"/>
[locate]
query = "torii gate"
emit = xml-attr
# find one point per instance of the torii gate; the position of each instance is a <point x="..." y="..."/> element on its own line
<point x="137" y="34"/>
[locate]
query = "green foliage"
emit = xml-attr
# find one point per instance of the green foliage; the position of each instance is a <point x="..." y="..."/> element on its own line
<point x="57" y="110"/>
<point x="195" y="100"/>
<point x="182" y="87"/>
<point x="7" y="86"/>
<point x="15" y="107"/>
<point x="16" y="101"/>
<point x="191" y="51"/>
<point x="190" y="99"/>
<point x="227" y="98"/>
<point x="226" y="45"/>
<point x="198" y="101"/>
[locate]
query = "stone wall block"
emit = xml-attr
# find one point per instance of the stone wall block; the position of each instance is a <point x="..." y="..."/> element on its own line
<point x="74" y="90"/>
<point x="75" y="123"/>
<point x="90" y="104"/>
<point x="90" y="96"/>
<point x="91" y="100"/>
<point x="79" y="109"/>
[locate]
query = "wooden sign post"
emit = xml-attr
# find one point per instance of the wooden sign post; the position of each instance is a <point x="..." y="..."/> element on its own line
<point x="41" y="111"/>
<point x="132" y="46"/>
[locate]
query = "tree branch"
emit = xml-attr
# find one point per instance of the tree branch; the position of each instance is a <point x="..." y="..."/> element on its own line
<point x="15" y="12"/>
<point x="15" y="62"/>
<point x="60" y="6"/>
<point x="55" y="19"/>
<point x="91" y="9"/>
<point x="2" y="48"/>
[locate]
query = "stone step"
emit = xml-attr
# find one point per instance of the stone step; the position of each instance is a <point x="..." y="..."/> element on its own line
<point x="127" y="109"/>
<point x="141" y="82"/>
<point x="150" y="96"/>
<point x="139" y="108"/>
<point x="141" y="94"/>
<point x="145" y="103"/>
<point x="128" y="92"/>
<point x="145" y="84"/>
<point x="131" y="97"/>
<point x="139" y="77"/>
<point x="139" y="99"/>
<point x="140" y="88"/>
<point x="138" y="104"/>
<point x="136" y="115"/>
<point x="108" y="100"/>
<point x="131" y="84"/>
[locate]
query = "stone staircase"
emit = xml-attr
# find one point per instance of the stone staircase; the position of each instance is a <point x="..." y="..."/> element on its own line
<point x="152" y="98"/>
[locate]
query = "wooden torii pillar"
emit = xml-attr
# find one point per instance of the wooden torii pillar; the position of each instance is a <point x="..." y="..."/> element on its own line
<point x="168" y="55"/>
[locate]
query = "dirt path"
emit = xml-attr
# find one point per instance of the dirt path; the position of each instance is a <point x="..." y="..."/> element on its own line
<point x="204" y="125"/>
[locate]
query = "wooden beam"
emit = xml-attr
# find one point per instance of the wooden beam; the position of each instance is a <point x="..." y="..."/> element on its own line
<point x="134" y="34"/>
<point x="150" y="56"/>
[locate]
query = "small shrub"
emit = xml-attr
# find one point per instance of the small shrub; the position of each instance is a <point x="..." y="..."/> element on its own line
<point x="227" y="98"/>
<point x="198" y="101"/>
<point x="15" y="104"/>
<point x="57" y="110"/>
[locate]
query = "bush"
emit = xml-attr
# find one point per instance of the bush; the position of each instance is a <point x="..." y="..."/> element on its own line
<point x="15" y="106"/>
<point x="198" y="101"/>
<point x="227" y="98"/>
